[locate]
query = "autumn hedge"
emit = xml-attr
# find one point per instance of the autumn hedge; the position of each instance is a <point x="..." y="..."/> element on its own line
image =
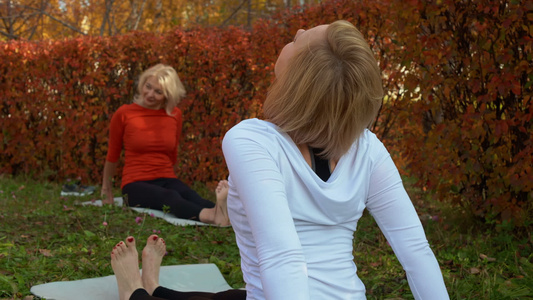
<point x="457" y="113"/>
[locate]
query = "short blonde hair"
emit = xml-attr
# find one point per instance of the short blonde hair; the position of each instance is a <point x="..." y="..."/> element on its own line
<point x="329" y="93"/>
<point x="169" y="80"/>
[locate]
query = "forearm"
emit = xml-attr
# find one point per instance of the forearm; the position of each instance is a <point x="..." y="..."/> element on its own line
<point x="108" y="174"/>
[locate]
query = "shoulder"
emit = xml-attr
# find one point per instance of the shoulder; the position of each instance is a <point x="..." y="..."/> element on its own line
<point x="254" y="129"/>
<point x="122" y="112"/>
<point x="370" y="146"/>
<point x="370" y="139"/>
<point x="126" y="109"/>
<point x="176" y="113"/>
<point x="257" y="137"/>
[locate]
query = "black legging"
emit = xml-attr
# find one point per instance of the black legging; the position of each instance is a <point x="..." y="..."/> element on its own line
<point x="168" y="294"/>
<point x="181" y="200"/>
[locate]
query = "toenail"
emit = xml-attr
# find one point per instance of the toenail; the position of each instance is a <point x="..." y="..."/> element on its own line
<point x="155" y="237"/>
<point x="130" y="239"/>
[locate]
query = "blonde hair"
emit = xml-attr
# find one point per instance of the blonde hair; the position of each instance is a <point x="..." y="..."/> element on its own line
<point x="169" y="80"/>
<point x="329" y="93"/>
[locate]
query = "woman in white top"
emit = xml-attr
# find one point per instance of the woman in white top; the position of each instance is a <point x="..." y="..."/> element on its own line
<point x="301" y="178"/>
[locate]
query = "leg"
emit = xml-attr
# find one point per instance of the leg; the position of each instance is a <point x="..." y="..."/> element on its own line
<point x="165" y="293"/>
<point x="157" y="194"/>
<point x="125" y="264"/>
<point x="152" y="256"/>
<point x="231" y="295"/>
<point x="150" y="194"/>
<point x="186" y="192"/>
<point x="142" y="294"/>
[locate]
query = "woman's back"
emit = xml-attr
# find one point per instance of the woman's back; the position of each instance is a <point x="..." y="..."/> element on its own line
<point x="323" y="215"/>
<point x="294" y="230"/>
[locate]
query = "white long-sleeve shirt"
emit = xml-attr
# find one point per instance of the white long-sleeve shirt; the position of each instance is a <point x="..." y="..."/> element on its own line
<point x="295" y="231"/>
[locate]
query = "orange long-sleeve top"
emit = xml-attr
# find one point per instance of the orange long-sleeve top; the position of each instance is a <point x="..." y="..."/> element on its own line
<point x="150" y="140"/>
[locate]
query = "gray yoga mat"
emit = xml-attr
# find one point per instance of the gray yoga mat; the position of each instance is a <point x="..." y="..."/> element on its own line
<point x="199" y="277"/>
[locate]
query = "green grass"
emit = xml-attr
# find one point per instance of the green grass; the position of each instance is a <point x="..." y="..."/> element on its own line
<point x="45" y="237"/>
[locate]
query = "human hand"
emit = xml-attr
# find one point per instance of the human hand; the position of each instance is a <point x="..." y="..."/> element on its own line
<point x="107" y="195"/>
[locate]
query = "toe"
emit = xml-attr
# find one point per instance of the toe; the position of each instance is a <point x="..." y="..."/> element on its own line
<point x="152" y="239"/>
<point x="118" y="250"/>
<point x="130" y="241"/>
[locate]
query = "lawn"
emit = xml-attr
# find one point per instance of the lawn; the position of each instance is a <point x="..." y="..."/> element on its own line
<point x="45" y="237"/>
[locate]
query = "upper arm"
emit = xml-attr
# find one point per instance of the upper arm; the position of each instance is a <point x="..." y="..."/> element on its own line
<point x="116" y="135"/>
<point x="391" y="207"/>
<point x="179" y="126"/>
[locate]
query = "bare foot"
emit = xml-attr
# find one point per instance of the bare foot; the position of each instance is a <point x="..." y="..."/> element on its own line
<point x="125" y="263"/>
<point x="152" y="255"/>
<point x="221" y="207"/>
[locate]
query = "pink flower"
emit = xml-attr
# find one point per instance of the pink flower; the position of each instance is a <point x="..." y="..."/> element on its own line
<point x="138" y="220"/>
<point x="152" y="215"/>
<point x="104" y="223"/>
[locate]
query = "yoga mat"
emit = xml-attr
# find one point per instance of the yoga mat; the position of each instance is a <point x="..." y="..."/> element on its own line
<point x="153" y="212"/>
<point x="198" y="277"/>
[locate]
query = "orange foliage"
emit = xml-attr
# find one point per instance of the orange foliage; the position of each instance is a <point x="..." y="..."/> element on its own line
<point x="469" y="134"/>
<point x="457" y="113"/>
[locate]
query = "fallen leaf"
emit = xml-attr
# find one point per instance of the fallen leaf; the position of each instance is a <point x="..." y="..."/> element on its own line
<point x="474" y="271"/>
<point x="483" y="256"/>
<point x="449" y="262"/>
<point x="46" y="252"/>
<point x="508" y="283"/>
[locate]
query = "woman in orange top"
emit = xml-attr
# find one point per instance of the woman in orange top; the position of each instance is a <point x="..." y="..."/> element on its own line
<point x="149" y="130"/>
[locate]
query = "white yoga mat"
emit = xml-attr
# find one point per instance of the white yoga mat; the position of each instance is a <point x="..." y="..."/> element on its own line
<point x="185" y="278"/>
<point x="153" y="212"/>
